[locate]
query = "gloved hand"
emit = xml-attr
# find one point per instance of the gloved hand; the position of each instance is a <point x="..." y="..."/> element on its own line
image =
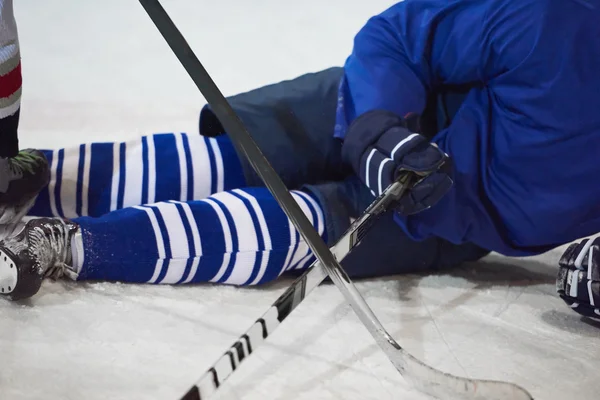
<point x="380" y="148"/>
<point x="578" y="281"/>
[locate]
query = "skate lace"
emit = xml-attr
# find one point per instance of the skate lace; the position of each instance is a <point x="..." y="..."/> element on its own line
<point x="58" y="270"/>
<point x="56" y="239"/>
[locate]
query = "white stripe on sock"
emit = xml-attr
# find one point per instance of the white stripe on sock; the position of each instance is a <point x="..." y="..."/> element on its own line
<point x="85" y="187"/>
<point x="175" y="271"/>
<point x="219" y="162"/>
<point x="301" y="252"/>
<point x="200" y="166"/>
<point x="226" y="234"/>
<point x="193" y="270"/>
<point x="151" y="169"/>
<point x="290" y="253"/>
<point x="193" y="227"/>
<point x="303" y="248"/>
<point x="114" y="192"/>
<point x="246" y="238"/>
<point x="183" y="176"/>
<point x="222" y="268"/>
<point x="262" y="222"/>
<point x="177" y="242"/>
<point x="196" y="238"/>
<point x="317" y="209"/>
<point x="68" y="187"/>
<point x="52" y="184"/>
<point x="302" y="264"/>
<point x="134" y="161"/>
<point x="160" y="244"/>
<point x="264" y="228"/>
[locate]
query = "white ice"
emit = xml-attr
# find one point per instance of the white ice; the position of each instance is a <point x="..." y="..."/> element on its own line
<point x="99" y="70"/>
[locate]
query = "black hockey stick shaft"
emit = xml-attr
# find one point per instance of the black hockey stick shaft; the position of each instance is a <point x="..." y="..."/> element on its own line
<point x="236" y="129"/>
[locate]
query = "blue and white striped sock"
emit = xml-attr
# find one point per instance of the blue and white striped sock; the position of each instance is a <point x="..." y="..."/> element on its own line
<point x="238" y="237"/>
<point x="94" y="179"/>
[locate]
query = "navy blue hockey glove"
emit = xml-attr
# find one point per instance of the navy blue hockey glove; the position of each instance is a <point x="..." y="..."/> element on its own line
<point x="380" y="148"/>
<point x="578" y="281"/>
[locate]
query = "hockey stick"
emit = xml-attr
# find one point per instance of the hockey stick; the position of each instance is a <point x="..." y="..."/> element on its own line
<point x="432" y="381"/>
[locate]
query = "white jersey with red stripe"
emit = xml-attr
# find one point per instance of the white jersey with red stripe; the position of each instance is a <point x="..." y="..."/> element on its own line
<point x="10" y="68"/>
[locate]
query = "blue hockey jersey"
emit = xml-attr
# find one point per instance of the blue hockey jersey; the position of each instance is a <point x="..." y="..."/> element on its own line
<point x="526" y="140"/>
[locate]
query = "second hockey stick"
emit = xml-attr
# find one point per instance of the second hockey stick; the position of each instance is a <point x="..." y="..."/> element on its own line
<point x="431" y="381"/>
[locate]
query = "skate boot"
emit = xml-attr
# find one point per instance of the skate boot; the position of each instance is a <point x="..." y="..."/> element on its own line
<point x="41" y="249"/>
<point x="21" y="179"/>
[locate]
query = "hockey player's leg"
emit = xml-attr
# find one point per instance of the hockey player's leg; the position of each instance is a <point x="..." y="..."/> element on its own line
<point x="240" y="237"/>
<point x="97" y="178"/>
<point x="292" y="122"/>
<point x="22" y="173"/>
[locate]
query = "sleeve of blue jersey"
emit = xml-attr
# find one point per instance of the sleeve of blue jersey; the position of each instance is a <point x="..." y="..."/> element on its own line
<point x="407" y="51"/>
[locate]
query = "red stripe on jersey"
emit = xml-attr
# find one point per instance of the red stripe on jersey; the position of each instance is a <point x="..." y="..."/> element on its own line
<point x="11" y="82"/>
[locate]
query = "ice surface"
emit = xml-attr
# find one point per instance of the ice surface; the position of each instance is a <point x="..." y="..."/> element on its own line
<point x="100" y="71"/>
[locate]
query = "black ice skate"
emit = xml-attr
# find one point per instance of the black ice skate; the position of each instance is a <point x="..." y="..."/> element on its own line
<point x="42" y="249"/>
<point x="21" y="179"/>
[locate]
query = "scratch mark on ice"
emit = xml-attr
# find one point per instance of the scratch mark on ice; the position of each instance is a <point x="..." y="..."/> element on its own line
<point x="443" y="337"/>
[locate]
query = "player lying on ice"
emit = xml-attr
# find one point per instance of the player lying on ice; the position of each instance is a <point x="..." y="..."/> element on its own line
<point x="509" y="89"/>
